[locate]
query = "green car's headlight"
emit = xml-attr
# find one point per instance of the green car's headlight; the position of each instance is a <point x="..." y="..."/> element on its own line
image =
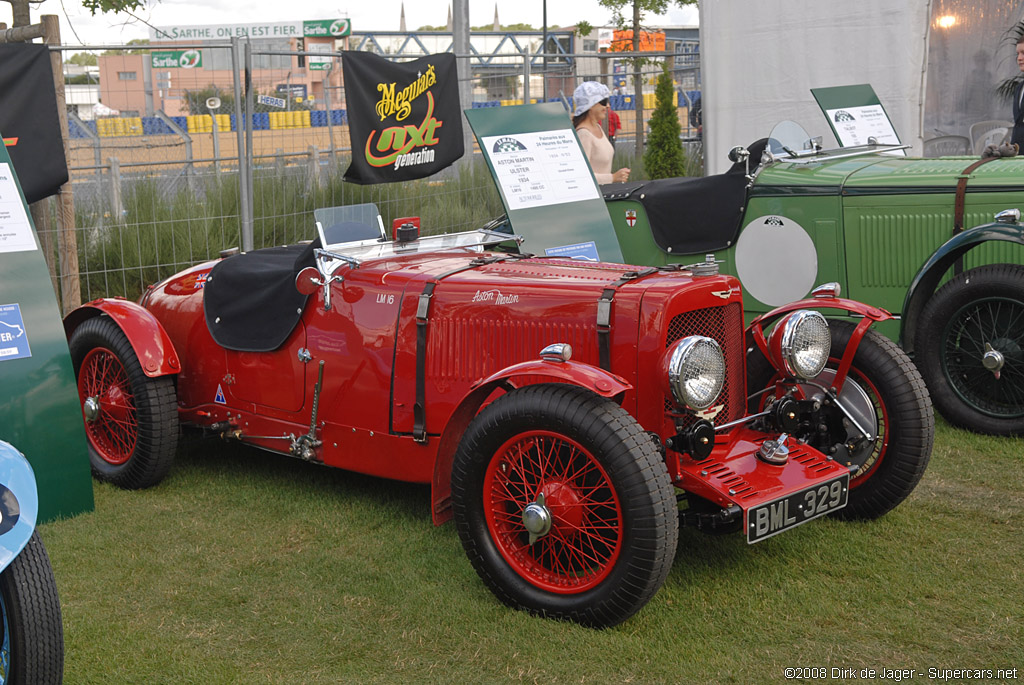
<point x="801" y="342"/>
<point x="695" y="370"/>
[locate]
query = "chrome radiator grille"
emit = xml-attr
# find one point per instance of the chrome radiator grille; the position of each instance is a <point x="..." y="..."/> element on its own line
<point x="724" y="325"/>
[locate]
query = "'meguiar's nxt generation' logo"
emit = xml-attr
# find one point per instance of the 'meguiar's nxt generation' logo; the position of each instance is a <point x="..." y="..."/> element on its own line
<point x="396" y="142"/>
<point x="400" y="103"/>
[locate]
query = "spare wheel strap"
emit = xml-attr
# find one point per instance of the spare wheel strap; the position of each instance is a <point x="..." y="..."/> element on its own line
<point x="604" y="314"/>
<point x="961" y="192"/>
<point x="959" y="202"/>
<point x="419" y="418"/>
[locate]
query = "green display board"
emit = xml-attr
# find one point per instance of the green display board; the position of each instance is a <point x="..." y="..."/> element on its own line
<point x="856" y="116"/>
<point x="39" y="410"/>
<point x="547" y="186"/>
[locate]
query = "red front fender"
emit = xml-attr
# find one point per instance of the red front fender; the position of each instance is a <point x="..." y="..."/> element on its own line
<point x="574" y="373"/>
<point x="148" y="338"/>
<point x="868" y="313"/>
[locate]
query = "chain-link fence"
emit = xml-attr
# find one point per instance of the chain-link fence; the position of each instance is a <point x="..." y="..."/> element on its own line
<point x="161" y="164"/>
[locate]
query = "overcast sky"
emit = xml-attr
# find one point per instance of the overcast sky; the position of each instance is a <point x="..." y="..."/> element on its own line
<point x="378" y="15"/>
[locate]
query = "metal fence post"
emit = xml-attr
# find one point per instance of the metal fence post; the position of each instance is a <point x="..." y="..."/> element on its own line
<point x="315" y="180"/>
<point x="183" y="134"/>
<point x="116" y="206"/>
<point x="526" y="75"/>
<point x="243" y="132"/>
<point x="327" y="101"/>
<point x="246" y="199"/>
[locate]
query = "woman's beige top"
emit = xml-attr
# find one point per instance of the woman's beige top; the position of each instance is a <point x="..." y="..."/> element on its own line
<point x="599" y="151"/>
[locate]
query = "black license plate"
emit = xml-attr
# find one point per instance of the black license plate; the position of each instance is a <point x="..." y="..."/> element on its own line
<point x="772" y="518"/>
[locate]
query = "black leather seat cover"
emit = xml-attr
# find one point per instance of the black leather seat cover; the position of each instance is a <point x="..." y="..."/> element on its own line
<point x="250" y="301"/>
<point x="693" y="215"/>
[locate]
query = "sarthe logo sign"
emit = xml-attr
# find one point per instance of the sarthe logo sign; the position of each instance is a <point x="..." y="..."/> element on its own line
<point x="404" y="118"/>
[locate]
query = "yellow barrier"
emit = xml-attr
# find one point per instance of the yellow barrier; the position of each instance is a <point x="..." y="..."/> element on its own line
<point x="201" y="123"/>
<point x="121" y="126"/>
<point x="299" y="119"/>
<point x="651" y="100"/>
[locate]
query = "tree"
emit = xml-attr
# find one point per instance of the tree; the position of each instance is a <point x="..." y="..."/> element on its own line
<point x="638" y="9"/>
<point x="20" y="8"/>
<point x="83" y="59"/>
<point x="664" y="157"/>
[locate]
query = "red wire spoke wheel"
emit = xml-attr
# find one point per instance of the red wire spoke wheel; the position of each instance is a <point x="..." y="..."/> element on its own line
<point x="886" y="396"/>
<point x="583" y="537"/>
<point x="564" y="505"/>
<point x="131" y="419"/>
<point x="108" y="406"/>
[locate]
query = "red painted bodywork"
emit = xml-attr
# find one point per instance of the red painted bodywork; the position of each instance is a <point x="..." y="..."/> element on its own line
<point x="152" y="346"/>
<point x="868" y="314"/>
<point x="486" y="327"/>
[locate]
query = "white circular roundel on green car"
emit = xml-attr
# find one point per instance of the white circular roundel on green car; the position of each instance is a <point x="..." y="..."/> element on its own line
<point x="776" y="260"/>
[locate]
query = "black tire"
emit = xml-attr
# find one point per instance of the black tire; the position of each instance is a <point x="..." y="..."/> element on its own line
<point x="627" y="524"/>
<point x="34" y="640"/>
<point x="132" y="423"/>
<point x="886" y="388"/>
<point x="983" y="306"/>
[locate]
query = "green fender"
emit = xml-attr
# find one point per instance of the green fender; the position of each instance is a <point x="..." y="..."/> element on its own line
<point x="927" y="279"/>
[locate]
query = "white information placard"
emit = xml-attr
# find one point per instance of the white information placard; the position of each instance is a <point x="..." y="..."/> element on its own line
<point x="15" y="230"/>
<point x="540" y="168"/>
<point x="854" y="125"/>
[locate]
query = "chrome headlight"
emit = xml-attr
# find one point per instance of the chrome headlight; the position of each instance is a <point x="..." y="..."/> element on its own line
<point x="802" y="343"/>
<point x="696" y="371"/>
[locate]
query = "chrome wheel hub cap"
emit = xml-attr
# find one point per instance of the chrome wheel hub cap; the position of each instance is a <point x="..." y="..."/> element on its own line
<point x="91" y="409"/>
<point x="993" y="360"/>
<point x="537" y="519"/>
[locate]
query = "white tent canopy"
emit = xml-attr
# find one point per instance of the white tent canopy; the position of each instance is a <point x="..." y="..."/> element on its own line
<point x="101" y="110"/>
<point x="760" y="59"/>
<point x="935" y="64"/>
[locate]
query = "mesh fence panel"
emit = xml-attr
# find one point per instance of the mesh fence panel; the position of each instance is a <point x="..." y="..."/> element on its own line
<point x="155" y="165"/>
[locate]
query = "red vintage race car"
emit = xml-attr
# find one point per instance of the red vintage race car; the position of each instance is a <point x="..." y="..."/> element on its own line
<point x="570" y="415"/>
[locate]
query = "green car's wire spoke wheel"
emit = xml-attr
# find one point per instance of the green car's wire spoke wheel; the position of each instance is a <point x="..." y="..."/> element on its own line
<point x="564" y="505"/>
<point x="131" y="420"/>
<point x="32" y="651"/>
<point x="969" y="349"/>
<point x="992" y="327"/>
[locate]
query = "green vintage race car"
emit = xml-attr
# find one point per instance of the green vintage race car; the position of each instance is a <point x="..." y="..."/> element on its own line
<point x="937" y="242"/>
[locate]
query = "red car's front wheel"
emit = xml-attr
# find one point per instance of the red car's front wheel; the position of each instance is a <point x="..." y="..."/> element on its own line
<point x="130" y="419"/>
<point x="564" y="505"/>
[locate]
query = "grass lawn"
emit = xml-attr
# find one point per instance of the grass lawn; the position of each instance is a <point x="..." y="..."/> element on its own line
<point x="247" y="567"/>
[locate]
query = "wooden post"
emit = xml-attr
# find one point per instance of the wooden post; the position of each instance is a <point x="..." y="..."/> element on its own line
<point x="44" y="229"/>
<point x="71" y="286"/>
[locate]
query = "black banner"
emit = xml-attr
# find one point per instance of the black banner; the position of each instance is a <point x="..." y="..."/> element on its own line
<point x="28" y="119"/>
<point x="404" y="118"/>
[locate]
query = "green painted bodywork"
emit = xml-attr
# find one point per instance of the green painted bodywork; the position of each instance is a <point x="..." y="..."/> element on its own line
<point x="39" y="409"/>
<point x="875" y="220"/>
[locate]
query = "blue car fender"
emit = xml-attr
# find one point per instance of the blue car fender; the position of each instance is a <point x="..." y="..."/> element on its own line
<point x="19" y="503"/>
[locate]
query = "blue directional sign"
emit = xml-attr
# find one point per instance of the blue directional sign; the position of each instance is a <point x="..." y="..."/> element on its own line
<point x="13" y="339"/>
<point x="585" y="251"/>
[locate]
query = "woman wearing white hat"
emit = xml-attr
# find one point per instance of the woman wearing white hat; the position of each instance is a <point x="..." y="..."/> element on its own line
<point x="591" y="107"/>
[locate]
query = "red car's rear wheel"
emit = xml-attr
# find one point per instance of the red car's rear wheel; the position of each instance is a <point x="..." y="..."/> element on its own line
<point x="108" y="406"/>
<point x="130" y="419"/>
<point x="564" y="505"/>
